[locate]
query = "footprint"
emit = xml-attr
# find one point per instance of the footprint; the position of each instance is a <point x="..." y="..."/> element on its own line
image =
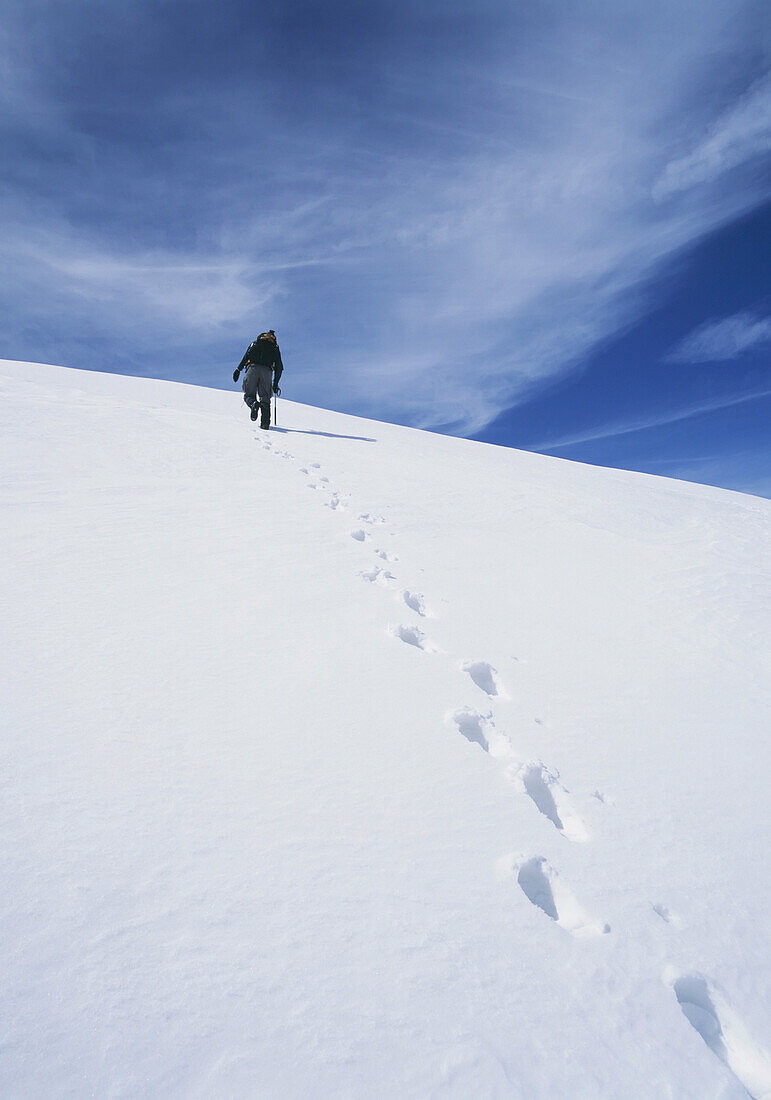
<point x="315" y="465"/>
<point x="483" y="675"/>
<point x="412" y="636"/>
<point x="474" y="727"/>
<point x="415" y="602"/>
<point x="542" y="886"/>
<point x="359" y="535"/>
<point x="386" y="556"/>
<point x="376" y="575"/>
<point x="553" y="801"/>
<point x="480" y="730"/>
<point x="334" y="502"/>
<point x="304" y="470"/>
<point x="368" y="517"/>
<point x="668" y="916"/>
<point x="324" y="480"/>
<point x="536" y="886"/>
<point x="708" y="1013"/>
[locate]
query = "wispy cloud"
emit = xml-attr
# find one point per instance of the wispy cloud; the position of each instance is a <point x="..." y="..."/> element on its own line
<point x="655" y="420"/>
<point x="722" y="340"/>
<point x="741" y="134"/>
<point x="455" y="211"/>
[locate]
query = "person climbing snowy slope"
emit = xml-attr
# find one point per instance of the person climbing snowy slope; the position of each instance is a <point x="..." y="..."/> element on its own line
<point x="262" y="361"/>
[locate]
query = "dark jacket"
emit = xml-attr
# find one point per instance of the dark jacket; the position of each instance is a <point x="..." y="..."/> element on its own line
<point x="264" y="352"/>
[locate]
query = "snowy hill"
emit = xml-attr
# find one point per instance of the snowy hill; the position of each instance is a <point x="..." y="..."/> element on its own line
<point x="348" y="760"/>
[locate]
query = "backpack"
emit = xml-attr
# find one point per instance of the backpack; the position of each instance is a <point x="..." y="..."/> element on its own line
<point x="263" y="350"/>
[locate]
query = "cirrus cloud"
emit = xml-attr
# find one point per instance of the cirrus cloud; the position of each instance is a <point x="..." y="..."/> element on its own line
<point x="446" y="209"/>
<point x="722" y="340"/>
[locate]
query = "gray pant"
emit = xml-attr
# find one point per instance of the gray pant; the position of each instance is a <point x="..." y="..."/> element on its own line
<point x="258" y="386"/>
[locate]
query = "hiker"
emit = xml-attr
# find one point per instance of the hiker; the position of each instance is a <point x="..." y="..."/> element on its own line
<point x="263" y="370"/>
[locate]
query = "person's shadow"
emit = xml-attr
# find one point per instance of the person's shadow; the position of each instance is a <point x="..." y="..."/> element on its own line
<point x="328" y="435"/>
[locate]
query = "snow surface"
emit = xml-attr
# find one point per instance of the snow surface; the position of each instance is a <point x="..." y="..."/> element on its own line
<point x="348" y="760"/>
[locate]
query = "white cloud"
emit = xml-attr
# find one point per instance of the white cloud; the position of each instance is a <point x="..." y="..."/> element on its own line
<point x="719" y="341"/>
<point x="446" y="272"/>
<point x="505" y="268"/>
<point x="655" y="420"/>
<point x="740" y="134"/>
<point x="145" y="299"/>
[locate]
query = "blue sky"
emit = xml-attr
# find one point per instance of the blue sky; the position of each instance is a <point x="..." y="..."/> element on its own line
<point x="539" y="224"/>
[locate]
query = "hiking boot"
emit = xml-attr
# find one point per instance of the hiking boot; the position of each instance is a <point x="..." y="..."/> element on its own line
<point x="255" y="411"/>
<point x="265" y="422"/>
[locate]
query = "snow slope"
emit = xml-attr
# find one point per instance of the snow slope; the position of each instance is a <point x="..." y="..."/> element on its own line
<point x="349" y="760"/>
